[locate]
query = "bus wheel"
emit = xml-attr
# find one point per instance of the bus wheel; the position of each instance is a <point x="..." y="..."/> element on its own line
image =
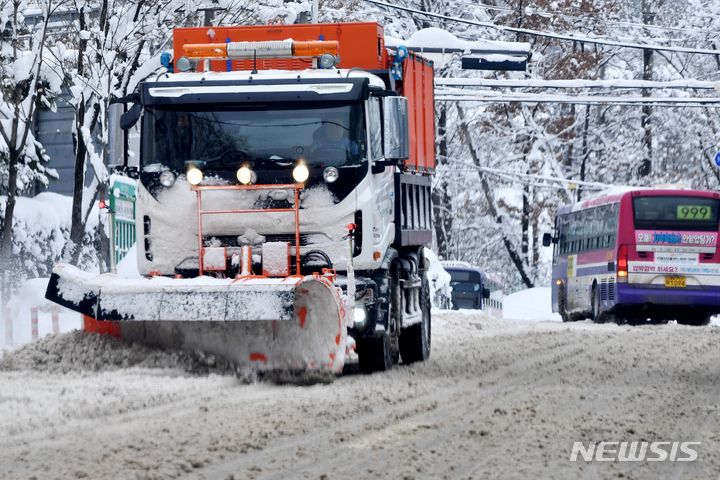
<point x="696" y="321"/>
<point x="598" y="315"/>
<point x="561" y="304"/>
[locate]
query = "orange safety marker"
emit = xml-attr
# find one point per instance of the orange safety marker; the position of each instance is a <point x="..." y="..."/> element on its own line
<point x="101" y="327"/>
<point x="34" y="322"/>
<point x="258" y="357"/>
<point x="302" y="313"/>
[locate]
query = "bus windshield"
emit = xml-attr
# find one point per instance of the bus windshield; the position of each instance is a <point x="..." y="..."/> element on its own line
<point x="676" y="213"/>
<point x="463" y="280"/>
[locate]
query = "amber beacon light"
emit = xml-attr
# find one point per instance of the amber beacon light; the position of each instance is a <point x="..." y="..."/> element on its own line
<point x="268" y="49"/>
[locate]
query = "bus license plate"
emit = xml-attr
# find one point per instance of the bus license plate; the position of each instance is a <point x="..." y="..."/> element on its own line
<point x="674" y="281"/>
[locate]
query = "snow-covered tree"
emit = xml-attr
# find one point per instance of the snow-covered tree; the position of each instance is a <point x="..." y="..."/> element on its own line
<point x="22" y="158"/>
<point x="99" y="55"/>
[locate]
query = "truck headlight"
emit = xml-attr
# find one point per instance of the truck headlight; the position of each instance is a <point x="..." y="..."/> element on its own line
<point x="245" y="175"/>
<point x="167" y="179"/>
<point x="301" y="173"/>
<point x="194" y="176"/>
<point x="331" y="174"/>
<point x="359" y="316"/>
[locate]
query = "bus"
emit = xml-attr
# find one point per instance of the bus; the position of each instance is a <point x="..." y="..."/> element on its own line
<point x="474" y="289"/>
<point x="637" y="254"/>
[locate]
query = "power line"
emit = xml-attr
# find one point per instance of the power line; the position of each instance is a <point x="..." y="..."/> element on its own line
<point x="571" y="38"/>
<point x="608" y="84"/>
<point x="492" y="97"/>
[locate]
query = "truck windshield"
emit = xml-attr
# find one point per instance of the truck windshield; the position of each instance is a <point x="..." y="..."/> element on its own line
<point x="676" y="213"/>
<point x="268" y="137"/>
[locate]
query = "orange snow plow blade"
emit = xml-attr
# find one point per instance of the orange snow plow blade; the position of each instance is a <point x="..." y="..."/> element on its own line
<point x="289" y="324"/>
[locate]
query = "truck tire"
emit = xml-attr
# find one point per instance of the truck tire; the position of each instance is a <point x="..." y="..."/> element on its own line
<point x="374" y="354"/>
<point x="416" y="339"/>
<point x="396" y="309"/>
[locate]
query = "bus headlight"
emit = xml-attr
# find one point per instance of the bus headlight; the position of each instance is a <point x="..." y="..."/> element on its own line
<point x="194" y="176"/>
<point x="245" y="175"/>
<point x="359" y="316"/>
<point x="167" y="179"/>
<point x="331" y="174"/>
<point x="301" y="173"/>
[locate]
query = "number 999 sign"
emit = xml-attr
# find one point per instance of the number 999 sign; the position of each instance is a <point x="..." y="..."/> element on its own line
<point x="693" y="212"/>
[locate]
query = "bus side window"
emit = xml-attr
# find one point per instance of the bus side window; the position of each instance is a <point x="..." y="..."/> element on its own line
<point x="565" y="235"/>
<point x="584" y="229"/>
<point x="598" y="225"/>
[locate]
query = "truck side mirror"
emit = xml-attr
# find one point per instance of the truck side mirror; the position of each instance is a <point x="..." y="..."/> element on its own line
<point x="396" y="136"/>
<point x="547" y="240"/>
<point x="118" y="138"/>
<point x="130" y="118"/>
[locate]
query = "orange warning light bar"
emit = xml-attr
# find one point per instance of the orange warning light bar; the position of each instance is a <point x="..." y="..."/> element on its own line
<point x="207" y="50"/>
<point x="315" y="49"/>
<point x="271" y="49"/>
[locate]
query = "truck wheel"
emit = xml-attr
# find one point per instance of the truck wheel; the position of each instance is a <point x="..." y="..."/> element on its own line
<point x="374" y="354"/>
<point x="415" y="340"/>
<point x="397" y="306"/>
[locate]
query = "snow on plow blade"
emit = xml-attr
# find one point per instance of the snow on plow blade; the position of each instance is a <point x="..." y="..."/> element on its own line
<point x="292" y="323"/>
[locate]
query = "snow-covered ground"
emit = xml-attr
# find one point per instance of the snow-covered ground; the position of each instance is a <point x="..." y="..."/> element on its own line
<point x="497" y="399"/>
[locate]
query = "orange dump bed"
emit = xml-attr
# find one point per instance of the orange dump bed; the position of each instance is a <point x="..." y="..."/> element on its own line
<point x="418" y="87"/>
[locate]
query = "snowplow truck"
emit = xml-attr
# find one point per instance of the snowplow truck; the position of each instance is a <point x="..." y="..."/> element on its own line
<point x="283" y="201"/>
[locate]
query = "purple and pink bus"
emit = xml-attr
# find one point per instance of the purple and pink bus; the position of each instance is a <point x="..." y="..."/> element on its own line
<point x="638" y="254"/>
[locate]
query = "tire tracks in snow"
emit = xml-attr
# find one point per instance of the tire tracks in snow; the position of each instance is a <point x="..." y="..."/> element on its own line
<point x="423" y="419"/>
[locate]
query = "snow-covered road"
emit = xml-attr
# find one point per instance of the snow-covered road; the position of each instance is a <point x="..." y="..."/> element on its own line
<point x="497" y="399"/>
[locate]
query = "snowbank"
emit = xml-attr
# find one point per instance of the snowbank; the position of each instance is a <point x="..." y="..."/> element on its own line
<point x="532" y="304"/>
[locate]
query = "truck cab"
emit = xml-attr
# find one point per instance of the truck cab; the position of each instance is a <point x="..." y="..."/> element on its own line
<point x="323" y="143"/>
